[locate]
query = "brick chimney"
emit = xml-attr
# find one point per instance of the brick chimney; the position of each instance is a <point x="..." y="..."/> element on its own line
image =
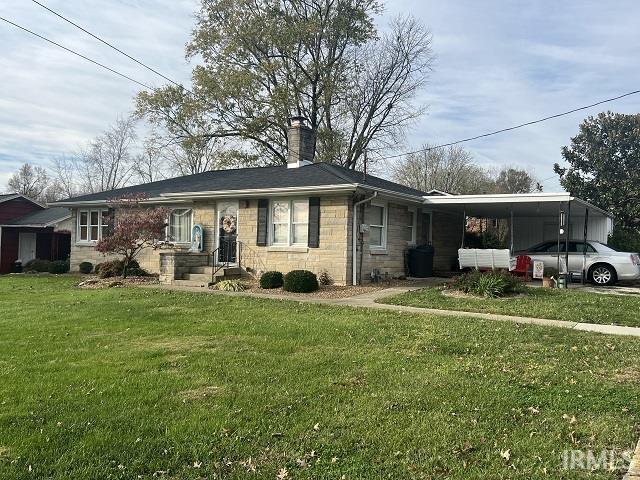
<point x="301" y="143"/>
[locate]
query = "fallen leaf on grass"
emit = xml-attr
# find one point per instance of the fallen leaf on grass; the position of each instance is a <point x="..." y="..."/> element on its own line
<point x="506" y="454"/>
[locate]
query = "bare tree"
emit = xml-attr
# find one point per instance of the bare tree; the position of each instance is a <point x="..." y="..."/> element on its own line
<point x="321" y="59"/>
<point x="64" y="174"/>
<point x="30" y="181"/>
<point x="515" y="180"/>
<point x="151" y="162"/>
<point x="195" y="154"/>
<point x="387" y="75"/>
<point x="448" y="169"/>
<point x="107" y="162"/>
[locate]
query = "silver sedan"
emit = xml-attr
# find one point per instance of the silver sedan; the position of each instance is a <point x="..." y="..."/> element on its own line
<point x="604" y="265"/>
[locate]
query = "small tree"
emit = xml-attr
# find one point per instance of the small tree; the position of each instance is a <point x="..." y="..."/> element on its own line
<point x="135" y="229"/>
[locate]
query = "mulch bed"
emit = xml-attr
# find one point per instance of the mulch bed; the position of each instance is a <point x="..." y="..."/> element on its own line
<point x="461" y="294"/>
<point x="331" y="291"/>
<point x="112" y="282"/>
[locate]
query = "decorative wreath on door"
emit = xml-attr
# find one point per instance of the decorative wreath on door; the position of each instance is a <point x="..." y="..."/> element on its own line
<point x="229" y="223"/>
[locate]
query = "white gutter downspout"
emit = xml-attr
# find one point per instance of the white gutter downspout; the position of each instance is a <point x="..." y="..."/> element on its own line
<point x="354" y="237"/>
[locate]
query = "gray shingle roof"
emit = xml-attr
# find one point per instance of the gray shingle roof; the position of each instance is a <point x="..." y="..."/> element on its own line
<point x="317" y="174"/>
<point x="41" y="217"/>
<point x="4" y="196"/>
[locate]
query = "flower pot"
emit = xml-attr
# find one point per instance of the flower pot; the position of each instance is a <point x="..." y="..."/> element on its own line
<point x="547" y="282"/>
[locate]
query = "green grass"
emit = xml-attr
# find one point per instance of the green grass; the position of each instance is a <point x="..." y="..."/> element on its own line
<point x="128" y="382"/>
<point x="571" y="305"/>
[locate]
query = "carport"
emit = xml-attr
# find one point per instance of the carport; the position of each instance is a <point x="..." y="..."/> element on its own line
<point x="533" y="217"/>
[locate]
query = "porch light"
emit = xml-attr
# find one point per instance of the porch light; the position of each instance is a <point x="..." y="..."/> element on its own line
<point x="563" y="218"/>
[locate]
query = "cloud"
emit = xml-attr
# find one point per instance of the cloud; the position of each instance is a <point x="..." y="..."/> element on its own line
<point x="505" y="63"/>
<point x="498" y="64"/>
<point x="54" y="102"/>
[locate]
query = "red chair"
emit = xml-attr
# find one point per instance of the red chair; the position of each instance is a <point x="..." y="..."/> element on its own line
<point x="523" y="262"/>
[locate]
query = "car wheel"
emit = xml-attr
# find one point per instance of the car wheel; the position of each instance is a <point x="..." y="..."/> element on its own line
<point x="602" y="275"/>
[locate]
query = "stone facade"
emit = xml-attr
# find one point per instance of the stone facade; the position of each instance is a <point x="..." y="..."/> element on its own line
<point x="390" y="260"/>
<point x="333" y="254"/>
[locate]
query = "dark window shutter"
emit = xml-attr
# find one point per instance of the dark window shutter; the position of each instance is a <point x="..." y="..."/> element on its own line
<point x="263" y="215"/>
<point x="314" y="222"/>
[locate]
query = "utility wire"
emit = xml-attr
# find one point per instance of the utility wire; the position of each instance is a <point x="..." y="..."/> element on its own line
<point x="77" y="54"/>
<point x="59" y="15"/>
<point x="512" y="128"/>
<point x="515" y="127"/>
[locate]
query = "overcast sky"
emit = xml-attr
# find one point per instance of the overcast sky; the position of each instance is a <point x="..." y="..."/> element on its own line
<point x="499" y="63"/>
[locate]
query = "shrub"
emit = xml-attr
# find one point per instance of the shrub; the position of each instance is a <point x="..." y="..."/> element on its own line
<point x="112" y="268"/>
<point x="58" y="267"/>
<point x="300" y="281"/>
<point x="96" y="269"/>
<point x="271" y="280"/>
<point x="324" y="278"/>
<point x="625" y="240"/>
<point x="487" y="284"/>
<point x="36" y="265"/>
<point x="231" y="286"/>
<point x="135" y="270"/>
<point x="85" y="267"/>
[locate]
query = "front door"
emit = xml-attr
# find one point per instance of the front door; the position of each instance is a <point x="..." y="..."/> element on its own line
<point x="227" y="232"/>
<point x="26" y="246"/>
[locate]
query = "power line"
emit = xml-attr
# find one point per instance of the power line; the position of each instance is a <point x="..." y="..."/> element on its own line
<point x="512" y="128"/>
<point x="110" y="45"/>
<point x="77" y="54"/>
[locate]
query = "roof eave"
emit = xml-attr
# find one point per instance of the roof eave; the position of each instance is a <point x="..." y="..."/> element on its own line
<point x="511" y="198"/>
<point x="390" y="193"/>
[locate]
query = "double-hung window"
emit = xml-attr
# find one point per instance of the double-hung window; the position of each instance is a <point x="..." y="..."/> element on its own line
<point x="290" y="222"/>
<point x="180" y="225"/>
<point x="377" y="219"/>
<point x="411" y="226"/>
<point x="90" y="225"/>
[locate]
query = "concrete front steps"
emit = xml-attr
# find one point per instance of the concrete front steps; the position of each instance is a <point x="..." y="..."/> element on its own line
<point x="202" y="276"/>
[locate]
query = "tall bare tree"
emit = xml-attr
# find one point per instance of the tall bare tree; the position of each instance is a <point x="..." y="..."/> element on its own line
<point x="150" y="163"/>
<point x="32" y="181"/>
<point x="65" y="176"/>
<point x="264" y="61"/>
<point x="448" y="169"/>
<point x="107" y="162"/>
<point x="515" y="180"/>
<point x="387" y="75"/>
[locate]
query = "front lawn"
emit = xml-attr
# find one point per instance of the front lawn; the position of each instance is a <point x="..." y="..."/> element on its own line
<point x="571" y="305"/>
<point x="145" y="383"/>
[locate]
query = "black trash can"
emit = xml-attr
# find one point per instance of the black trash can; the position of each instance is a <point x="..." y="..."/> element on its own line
<point x="421" y="261"/>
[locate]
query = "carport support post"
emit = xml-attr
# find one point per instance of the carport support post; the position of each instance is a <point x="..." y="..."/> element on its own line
<point x="511" y="228"/>
<point x="584" y="246"/>
<point x="567" y="232"/>
<point x="560" y="226"/>
<point x="464" y="225"/>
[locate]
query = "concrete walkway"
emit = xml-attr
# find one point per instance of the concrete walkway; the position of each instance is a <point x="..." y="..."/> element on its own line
<point x="368" y="300"/>
<point x="634" y="468"/>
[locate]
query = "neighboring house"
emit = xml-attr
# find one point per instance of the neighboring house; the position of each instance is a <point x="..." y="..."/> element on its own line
<point x="29" y="230"/>
<point x="305" y="215"/>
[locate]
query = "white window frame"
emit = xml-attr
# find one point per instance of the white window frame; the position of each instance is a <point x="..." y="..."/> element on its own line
<point x="290" y="222"/>
<point x="414" y="225"/>
<point x="89" y="225"/>
<point x="384" y="226"/>
<point x="168" y="228"/>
